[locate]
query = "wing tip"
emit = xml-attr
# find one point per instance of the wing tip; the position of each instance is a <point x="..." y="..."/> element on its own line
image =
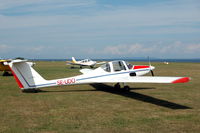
<point x="181" y="80"/>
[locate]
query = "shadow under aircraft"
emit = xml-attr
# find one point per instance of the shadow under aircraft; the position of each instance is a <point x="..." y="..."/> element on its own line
<point x="128" y="94"/>
<point x="138" y="96"/>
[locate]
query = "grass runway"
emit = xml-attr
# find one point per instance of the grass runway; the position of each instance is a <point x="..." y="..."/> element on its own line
<point x="98" y="108"/>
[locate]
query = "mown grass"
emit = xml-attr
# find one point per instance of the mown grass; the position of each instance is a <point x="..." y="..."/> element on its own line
<point x="99" y="108"/>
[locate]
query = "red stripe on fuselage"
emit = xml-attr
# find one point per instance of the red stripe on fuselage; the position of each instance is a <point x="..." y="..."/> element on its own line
<point x="140" y="67"/>
<point x="16" y="78"/>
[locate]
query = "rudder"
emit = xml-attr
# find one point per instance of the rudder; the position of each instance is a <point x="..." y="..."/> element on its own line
<point x="25" y="75"/>
<point x="74" y="60"/>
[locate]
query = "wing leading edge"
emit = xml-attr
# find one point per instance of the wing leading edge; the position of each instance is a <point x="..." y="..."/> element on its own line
<point x="157" y="79"/>
<point x="125" y="78"/>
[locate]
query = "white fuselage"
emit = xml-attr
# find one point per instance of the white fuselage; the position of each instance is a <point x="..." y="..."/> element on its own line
<point x="86" y="62"/>
<point x="108" y="71"/>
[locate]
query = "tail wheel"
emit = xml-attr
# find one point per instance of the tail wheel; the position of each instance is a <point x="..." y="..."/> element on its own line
<point x="29" y="90"/>
<point x="6" y="73"/>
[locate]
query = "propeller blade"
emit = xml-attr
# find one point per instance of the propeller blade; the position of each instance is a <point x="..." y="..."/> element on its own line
<point x="150" y="66"/>
<point x="152" y="73"/>
<point x="149" y="61"/>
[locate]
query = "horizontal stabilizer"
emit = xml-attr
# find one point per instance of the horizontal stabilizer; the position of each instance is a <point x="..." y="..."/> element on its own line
<point x="99" y="63"/>
<point x="84" y="71"/>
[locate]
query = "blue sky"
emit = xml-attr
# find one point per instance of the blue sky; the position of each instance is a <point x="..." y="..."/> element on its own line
<point x="100" y="28"/>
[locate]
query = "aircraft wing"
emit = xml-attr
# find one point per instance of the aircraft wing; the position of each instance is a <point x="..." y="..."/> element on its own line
<point x="71" y="63"/>
<point x="78" y="64"/>
<point x="157" y="79"/>
<point x="5" y="60"/>
<point x="135" y="79"/>
<point x="99" y="63"/>
<point x="85" y="71"/>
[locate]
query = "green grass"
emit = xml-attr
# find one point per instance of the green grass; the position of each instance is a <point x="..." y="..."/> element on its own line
<point x="156" y="108"/>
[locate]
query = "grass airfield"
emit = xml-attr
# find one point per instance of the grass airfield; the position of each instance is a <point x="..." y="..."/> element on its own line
<point x="98" y="108"/>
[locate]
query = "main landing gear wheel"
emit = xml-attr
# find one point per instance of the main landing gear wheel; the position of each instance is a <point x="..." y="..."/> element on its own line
<point x="30" y="90"/>
<point x="127" y="88"/>
<point x="117" y="86"/>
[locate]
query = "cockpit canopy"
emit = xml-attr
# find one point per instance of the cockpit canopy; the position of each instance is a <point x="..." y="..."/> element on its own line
<point x="86" y="60"/>
<point x="115" y="66"/>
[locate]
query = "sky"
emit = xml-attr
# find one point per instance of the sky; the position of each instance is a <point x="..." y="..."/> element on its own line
<point x="61" y="29"/>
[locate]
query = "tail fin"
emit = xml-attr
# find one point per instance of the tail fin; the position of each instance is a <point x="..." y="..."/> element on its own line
<point x="25" y="75"/>
<point x="74" y="60"/>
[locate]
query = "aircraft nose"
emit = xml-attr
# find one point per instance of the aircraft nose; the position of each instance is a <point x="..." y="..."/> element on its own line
<point x="152" y="67"/>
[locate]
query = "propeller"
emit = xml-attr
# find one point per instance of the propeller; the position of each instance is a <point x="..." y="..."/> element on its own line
<point x="151" y="68"/>
<point x="152" y="72"/>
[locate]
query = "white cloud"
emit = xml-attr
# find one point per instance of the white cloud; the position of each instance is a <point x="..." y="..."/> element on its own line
<point x="115" y="50"/>
<point x="122" y="25"/>
<point x="37" y="49"/>
<point x="4" y="48"/>
<point x="159" y="50"/>
<point x="167" y="48"/>
<point x="193" y="48"/>
<point x="12" y="51"/>
<point x="119" y="17"/>
<point x="43" y="3"/>
<point x="180" y="48"/>
<point x="128" y="49"/>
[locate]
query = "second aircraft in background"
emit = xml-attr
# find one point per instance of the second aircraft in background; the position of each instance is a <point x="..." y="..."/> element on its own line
<point x="85" y="62"/>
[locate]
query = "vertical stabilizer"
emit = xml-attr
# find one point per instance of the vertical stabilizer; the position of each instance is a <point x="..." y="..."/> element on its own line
<point x="74" y="60"/>
<point x="25" y="75"/>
